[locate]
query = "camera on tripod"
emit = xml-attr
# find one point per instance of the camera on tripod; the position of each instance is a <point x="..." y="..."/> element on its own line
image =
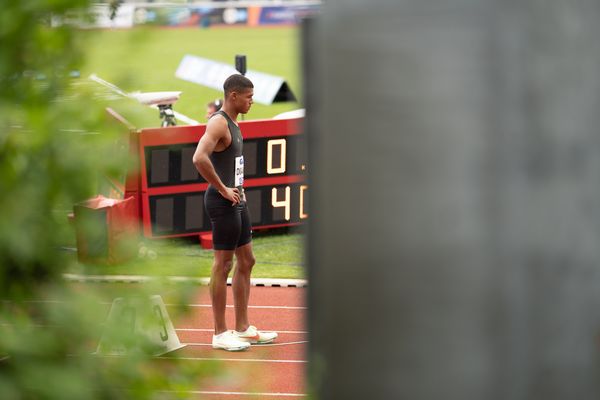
<point x="163" y="101"/>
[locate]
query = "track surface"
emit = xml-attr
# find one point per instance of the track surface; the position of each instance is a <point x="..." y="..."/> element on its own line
<point x="271" y="371"/>
<point x="275" y="371"/>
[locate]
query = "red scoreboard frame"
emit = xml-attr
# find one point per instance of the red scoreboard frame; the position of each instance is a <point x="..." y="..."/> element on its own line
<point x="170" y="192"/>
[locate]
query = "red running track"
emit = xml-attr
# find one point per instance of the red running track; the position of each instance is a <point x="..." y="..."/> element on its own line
<point x="274" y="371"/>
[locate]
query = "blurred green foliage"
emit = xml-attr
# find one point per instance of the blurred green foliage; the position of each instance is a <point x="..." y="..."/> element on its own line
<point x="56" y="145"/>
<point x="46" y="162"/>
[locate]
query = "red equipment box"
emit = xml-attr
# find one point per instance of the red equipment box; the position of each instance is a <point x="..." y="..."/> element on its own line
<point x="107" y="230"/>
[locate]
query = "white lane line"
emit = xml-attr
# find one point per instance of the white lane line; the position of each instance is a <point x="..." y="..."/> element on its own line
<point x="205" y="392"/>
<point x="177" y="329"/>
<point x="250" y="306"/>
<point x="182" y="305"/>
<point x="254" y="360"/>
<point x="257" y="345"/>
<point x="212" y="330"/>
<point x="264" y="282"/>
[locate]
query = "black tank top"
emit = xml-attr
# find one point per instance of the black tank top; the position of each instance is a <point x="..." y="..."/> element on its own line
<point x="229" y="163"/>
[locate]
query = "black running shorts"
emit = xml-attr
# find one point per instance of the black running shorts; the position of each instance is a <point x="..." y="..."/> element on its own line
<point x="230" y="224"/>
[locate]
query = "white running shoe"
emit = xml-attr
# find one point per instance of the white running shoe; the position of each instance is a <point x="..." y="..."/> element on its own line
<point x="228" y="341"/>
<point x="254" y="336"/>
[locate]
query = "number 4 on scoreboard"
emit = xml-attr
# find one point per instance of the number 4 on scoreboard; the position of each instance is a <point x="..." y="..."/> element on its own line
<point x="282" y="203"/>
<point x="285" y="202"/>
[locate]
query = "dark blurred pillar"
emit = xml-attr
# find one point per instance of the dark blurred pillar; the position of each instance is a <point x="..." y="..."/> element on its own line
<point x="454" y="242"/>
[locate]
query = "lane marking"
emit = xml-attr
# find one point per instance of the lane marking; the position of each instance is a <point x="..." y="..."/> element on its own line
<point x="205" y="392"/>
<point x="254" y="360"/>
<point x="177" y="329"/>
<point x="212" y="330"/>
<point x="179" y="305"/>
<point x="257" y="345"/>
<point x="264" y="282"/>
<point x="231" y="306"/>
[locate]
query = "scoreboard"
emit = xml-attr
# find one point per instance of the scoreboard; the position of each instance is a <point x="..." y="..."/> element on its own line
<point x="170" y="191"/>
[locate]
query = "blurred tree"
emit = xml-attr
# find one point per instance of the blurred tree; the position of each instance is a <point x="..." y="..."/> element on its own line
<point x="54" y="144"/>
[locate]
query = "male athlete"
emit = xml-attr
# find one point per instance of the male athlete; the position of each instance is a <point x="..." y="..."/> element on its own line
<point x="218" y="158"/>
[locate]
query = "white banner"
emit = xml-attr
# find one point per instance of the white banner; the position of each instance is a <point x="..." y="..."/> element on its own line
<point x="212" y="74"/>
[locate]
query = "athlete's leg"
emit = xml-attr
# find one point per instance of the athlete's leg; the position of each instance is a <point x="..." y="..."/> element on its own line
<point x="218" y="287"/>
<point x="226" y="224"/>
<point x="241" y="294"/>
<point x="241" y="285"/>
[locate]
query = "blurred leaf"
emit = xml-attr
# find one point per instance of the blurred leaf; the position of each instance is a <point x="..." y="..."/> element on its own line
<point x="56" y="148"/>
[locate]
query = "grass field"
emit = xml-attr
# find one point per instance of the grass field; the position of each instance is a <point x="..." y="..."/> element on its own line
<point x="277" y="256"/>
<point x="145" y="59"/>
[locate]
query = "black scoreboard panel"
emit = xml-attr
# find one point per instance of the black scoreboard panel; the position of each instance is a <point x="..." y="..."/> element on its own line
<point x="178" y="213"/>
<point x="169" y="165"/>
<point x="181" y="213"/>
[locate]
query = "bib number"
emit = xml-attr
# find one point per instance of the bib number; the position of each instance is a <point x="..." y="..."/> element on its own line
<point x="239" y="171"/>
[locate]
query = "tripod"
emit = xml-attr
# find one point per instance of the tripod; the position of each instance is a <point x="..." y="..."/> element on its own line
<point x="167" y="115"/>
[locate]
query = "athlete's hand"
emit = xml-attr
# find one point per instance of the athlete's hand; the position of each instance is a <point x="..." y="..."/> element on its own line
<point x="231" y="194"/>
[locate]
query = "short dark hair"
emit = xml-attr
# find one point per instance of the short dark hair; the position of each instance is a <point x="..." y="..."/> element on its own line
<point x="236" y="83"/>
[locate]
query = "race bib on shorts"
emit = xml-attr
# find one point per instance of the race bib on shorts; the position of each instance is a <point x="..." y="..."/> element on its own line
<point x="239" y="171"/>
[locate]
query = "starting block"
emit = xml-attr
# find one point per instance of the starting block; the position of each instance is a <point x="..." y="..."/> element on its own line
<point x="138" y="324"/>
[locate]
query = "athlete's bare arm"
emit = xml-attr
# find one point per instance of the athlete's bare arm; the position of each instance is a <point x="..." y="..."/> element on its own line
<point x="216" y="138"/>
